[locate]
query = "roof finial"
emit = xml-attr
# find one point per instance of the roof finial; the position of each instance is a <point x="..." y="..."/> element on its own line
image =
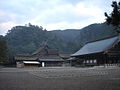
<point x="45" y="43"/>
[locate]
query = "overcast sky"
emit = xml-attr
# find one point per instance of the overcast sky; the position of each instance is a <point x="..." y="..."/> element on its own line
<point x="52" y="14"/>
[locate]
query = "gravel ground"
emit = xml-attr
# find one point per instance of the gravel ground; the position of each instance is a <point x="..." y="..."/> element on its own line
<point x="60" y="78"/>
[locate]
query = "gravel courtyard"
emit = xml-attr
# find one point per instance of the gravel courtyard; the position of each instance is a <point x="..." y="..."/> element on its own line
<point x="60" y="78"/>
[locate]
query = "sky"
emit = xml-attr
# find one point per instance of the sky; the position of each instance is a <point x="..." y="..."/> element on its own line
<point x="52" y="14"/>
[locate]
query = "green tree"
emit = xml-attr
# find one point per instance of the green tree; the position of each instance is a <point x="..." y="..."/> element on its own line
<point x="3" y="49"/>
<point x="114" y="17"/>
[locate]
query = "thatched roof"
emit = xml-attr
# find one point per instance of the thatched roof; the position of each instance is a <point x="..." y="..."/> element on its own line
<point x="43" y="53"/>
<point x="25" y="57"/>
<point x="45" y="50"/>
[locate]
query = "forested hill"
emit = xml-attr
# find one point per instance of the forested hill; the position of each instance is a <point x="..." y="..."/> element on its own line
<point x="27" y="39"/>
<point x="96" y="31"/>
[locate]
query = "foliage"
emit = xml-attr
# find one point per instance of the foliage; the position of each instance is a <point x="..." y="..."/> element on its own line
<point x="25" y="39"/>
<point x="114" y="17"/>
<point x="3" y="49"/>
<point x="95" y="32"/>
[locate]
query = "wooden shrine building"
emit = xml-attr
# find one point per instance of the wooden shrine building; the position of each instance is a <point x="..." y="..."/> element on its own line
<point x="102" y="51"/>
<point x="44" y="57"/>
<point x="25" y="60"/>
<point x="49" y="57"/>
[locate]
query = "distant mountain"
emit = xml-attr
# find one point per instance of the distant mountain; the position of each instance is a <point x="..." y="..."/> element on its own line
<point x="26" y="39"/>
<point x="96" y="31"/>
<point x="67" y="35"/>
<point x="78" y="37"/>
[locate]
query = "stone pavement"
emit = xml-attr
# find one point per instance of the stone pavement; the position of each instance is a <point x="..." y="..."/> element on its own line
<point x="60" y="78"/>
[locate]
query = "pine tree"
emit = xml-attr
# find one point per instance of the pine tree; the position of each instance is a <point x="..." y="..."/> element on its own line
<point x="114" y="17"/>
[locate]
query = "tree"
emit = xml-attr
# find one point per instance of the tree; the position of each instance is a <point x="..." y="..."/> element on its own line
<point x="3" y="49"/>
<point x="114" y="17"/>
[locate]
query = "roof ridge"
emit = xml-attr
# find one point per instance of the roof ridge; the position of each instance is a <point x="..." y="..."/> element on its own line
<point x="102" y="38"/>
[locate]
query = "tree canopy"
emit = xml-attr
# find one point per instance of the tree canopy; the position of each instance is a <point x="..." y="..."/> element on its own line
<point x="3" y="49"/>
<point x="114" y="17"/>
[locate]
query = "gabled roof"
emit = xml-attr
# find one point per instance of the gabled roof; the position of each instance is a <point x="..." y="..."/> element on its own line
<point x="44" y="53"/>
<point x="97" y="46"/>
<point x="45" y="50"/>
